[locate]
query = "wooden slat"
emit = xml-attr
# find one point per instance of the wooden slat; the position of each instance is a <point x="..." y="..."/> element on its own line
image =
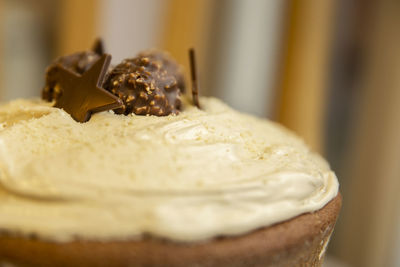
<point x="187" y="24"/>
<point x="370" y="216"/>
<point x="76" y="25"/>
<point x="1" y="48"/>
<point x="305" y="68"/>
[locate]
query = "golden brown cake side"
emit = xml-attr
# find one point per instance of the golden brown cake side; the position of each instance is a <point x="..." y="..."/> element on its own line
<point x="300" y="241"/>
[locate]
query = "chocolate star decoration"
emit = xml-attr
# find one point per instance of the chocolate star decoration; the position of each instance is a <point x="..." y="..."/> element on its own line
<point x="82" y="95"/>
<point x="98" y="47"/>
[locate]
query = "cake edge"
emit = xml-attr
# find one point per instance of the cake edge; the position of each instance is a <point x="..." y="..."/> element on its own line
<point x="301" y="240"/>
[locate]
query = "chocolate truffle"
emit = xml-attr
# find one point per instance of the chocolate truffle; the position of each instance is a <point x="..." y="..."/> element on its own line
<point x="169" y="64"/>
<point x="149" y="84"/>
<point x="78" y="63"/>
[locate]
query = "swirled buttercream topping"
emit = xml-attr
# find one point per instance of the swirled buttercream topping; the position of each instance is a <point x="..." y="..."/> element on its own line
<point x="201" y="174"/>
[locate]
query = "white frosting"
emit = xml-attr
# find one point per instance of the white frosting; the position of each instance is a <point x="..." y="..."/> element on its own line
<point x="200" y="174"/>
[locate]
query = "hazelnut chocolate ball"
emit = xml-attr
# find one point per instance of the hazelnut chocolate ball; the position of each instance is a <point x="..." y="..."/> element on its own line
<point x="169" y="65"/>
<point x="77" y="62"/>
<point x="149" y="84"/>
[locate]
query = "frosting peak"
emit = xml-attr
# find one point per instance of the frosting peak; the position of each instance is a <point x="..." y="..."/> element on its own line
<point x="189" y="177"/>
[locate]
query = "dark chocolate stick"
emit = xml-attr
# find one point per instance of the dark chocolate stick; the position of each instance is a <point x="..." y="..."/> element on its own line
<point x="98" y="46"/>
<point x="195" y="85"/>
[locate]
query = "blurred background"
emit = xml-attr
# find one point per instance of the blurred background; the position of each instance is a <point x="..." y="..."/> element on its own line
<point x="327" y="69"/>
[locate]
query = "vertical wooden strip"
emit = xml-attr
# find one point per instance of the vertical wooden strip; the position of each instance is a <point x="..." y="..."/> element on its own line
<point x="1" y="48"/>
<point x="187" y="24"/>
<point x="305" y="68"/>
<point x="77" y="25"/>
<point x="370" y="216"/>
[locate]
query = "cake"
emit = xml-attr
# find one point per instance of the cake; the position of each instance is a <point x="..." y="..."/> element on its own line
<point x="194" y="187"/>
